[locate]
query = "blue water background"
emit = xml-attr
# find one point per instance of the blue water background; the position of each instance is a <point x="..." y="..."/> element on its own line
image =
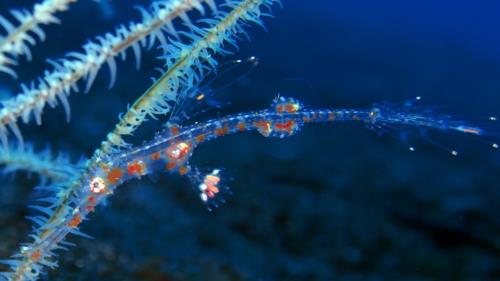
<point x="335" y="202"/>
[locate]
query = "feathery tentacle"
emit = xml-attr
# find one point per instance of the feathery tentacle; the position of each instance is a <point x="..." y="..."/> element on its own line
<point x="19" y="38"/>
<point x="55" y="86"/>
<point x="74" y="202"/>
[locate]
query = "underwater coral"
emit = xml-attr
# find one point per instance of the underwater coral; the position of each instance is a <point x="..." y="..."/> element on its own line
<point x="340" y="204"/>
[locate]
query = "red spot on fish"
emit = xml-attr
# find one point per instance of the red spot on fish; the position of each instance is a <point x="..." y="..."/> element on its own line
<point x="155" y="156"/>
<point x="241" y="126"/>
<point x="291" y="107"/>
<point x="287" y="126"/>
<point x="136" y="168"/>
<point x="264" y="127"/>
<point x="91" y="203"/>
<point x="174" y="131"/>
<point x="115" y="175"/>
<point x="183" y="170"/>
<point x="200" y="138"/>
<point x="222" y="131"/>
<point x="75" y="221"/>
<point x="35" y="256"/>
<point x="170" y="166"/>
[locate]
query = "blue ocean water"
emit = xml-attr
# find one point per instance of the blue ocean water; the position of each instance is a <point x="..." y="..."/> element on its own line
<point x="335" y="202"/>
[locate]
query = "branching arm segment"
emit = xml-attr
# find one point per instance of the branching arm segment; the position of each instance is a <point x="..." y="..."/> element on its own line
<point x="56" y="86"/>
<point x="18" y="39"/>
<point x="71" y="205"/>
<point x="185" y="65"/>
<point x="49" y="167"/>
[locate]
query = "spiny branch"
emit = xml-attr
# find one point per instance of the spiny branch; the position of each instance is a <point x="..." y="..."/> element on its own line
<point x="20" y="38"/>
<point x="56" y="86"/>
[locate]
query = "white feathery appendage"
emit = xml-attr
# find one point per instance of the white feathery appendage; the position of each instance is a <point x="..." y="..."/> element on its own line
<point x="62" y="213"/>
<point x="53" y="168"/>
<point x="56" y="85"/>
<point x="186" y="64"/>
<point x="18" y="39"/>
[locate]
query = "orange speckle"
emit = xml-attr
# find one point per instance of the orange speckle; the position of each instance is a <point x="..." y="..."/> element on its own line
<point x="214" y="189"/>
<point x="200" y="138"/>
<point x="222" y="131"/>
<point x="219" y="132"/>
<point x="211" y="179"/>
<point x="115" y="175"/>
<point x="35" y="256"/>
<point x="285" y="126"/>
<point x="211" y="182"/>
<point x="264" y="127"/>
<point x="279" y="108"/>
<point x="291" y="107"/>
<point x="261" y="124"/>
<point x="170" y="166"/>
<point x="137" y="167"/>
<point x="75" y="221"/>
<point x="241" y="126"/>
<point x="155" y="156"/>
<point x="174" y="130"/>
<point x="183" y="170"/>
<point x="91" y="203"/>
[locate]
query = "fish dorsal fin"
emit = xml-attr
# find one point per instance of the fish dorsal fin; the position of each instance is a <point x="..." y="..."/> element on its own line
<point x="283" y="125"/>
<point x="286" y="105"/>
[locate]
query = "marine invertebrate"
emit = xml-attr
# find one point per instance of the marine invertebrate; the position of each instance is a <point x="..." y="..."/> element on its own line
<point x="43" y="163"/>
<point x="18" y="39"/>
<point x="190" y="61"/>
<point x="54" y="86"/>
<point x="116" y="161"/>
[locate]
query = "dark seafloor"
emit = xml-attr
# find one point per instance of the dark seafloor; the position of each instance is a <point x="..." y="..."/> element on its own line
<point x="335" y="202"/>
